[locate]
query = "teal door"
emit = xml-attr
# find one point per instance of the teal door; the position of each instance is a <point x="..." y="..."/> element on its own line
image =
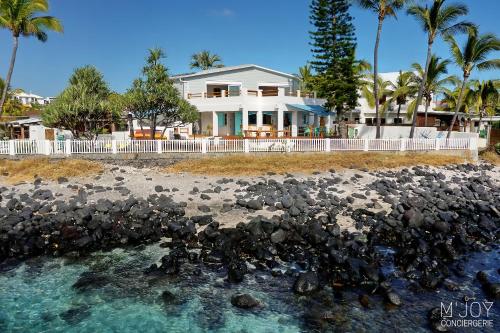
<point x="237" y="123"/>
<point x="220" y="119"/>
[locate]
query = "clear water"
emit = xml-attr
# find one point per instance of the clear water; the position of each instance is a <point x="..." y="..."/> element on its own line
<point x="36" y="297"/>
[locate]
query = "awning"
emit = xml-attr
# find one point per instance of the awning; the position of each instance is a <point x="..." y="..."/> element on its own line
<point x="316" y="109"/>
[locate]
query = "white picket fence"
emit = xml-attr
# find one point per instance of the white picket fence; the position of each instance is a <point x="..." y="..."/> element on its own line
<point x="69" y="147"/>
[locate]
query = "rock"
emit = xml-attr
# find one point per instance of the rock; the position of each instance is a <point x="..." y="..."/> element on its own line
<point x="75" y="315"/>
<point x="158" y="188"/>
<point x="202" y="219"/>
<point x="306" y="283"/>
<point x="204" y="208"/>
<point x="119" y="178"/>
<point x="414" y="218"/>
<point x="393" y="298"/>
<point x="62" y="180"/>
<point x="236" y="271"/>
<point x="244" y="301"/>
<point x="365" y="301"/>
<point x="204" y="196"/>
<point x="278" y="236"/>
<point x="90" y="280"/>
<point x="254" y="204"/>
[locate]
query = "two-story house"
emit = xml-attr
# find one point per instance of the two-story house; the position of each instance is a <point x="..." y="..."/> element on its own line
<point x="250" y="100"/>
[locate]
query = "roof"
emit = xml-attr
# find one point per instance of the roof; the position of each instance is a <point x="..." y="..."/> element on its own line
<point x="26" y="95"/>
<point x="27" y="121"/>
<point x="316" y="109"/>
<point x="231" y="68"/>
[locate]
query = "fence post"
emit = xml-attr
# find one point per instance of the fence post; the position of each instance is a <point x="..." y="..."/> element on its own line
<point x="472" y="143"/>
<point x="203" y="146"/>
<point x="158" y="146"/>
<point x="438" y="144"/>
<point x="327" y="145"/>
<point x="47" y="147"/>
<point x="247" y="145"/>
<point x="403" y="144"/>
<point x="366" y="145"/>
<point x="12" y="148"/>
<point x="288" y="146"/>
<point x="114" y="150"/>
<point x="67" y="147"/>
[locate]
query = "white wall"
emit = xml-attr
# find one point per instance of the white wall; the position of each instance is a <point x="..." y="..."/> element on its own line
<point x="394" y="132"/>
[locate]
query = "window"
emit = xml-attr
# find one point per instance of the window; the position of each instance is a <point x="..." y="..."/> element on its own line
<point x="398" y="120"/>
<point x="267" y="119"/>
<point x="252" y="118"/>
<point x="368" y="121"/>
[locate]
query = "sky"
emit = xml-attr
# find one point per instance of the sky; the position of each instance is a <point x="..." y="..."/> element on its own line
<point x="114" y="36"/>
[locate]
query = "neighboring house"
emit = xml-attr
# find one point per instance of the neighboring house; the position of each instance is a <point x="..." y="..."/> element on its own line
<point x="30" y="99"/>
<point x="250" y="100"/>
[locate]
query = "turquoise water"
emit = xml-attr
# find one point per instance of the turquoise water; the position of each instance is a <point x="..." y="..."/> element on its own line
<point x="38" y="296"/>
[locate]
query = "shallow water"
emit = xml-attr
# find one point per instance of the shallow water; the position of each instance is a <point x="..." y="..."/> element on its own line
<point x="38" y="296"/>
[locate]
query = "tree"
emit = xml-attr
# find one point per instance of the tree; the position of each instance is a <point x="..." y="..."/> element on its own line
<point x="85" y="107"/>
<point x="154" y="99"/>
<point x="205" y="60"/>
<point x="306" y="78"/>
<point x="382" y="8"/>
<point x="333" y="46"/>
<point x="438" y="20"/>
<point x="402" y="89"/>
<point x="473" y="55"/>
<point x="12" y="106"/>
<point x="369" y="93"/>
<point x="485" y="97"/>
<point x="434" y="83"/>
<point x="19" y="16"/>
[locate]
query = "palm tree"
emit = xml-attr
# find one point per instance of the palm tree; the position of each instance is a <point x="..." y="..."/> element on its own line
<point x="306" y="77"/>
<point x="402" y="89"/>
<point x="382" y="8"/>
<point x="369" y="93"/>
<point x="473" y="55"/>
<point x="205" y="60"/>
<point x="19" y="16"/>
<point x="433" y="83"/>
<point x="485" y="97"/>
<point x="436" y="20"/>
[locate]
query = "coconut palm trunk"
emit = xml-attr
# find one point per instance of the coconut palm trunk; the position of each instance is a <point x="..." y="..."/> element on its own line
<point x="459" y="105"/>
<point x="427" y="103"/>
<point x="375" y="75"/>
<point x="9" y="73"/>
<point x="399" y="111"/>
<point x="421" y="90"/>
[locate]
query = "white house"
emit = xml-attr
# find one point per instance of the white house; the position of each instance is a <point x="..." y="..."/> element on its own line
<point x="29" y="98"/>
<point x="251" y="100"/>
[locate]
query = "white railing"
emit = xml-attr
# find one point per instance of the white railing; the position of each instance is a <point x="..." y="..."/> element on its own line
<point x="68" y="147"/>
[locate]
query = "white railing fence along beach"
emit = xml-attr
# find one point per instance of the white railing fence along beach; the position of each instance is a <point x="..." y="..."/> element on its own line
<point x="78" y="147"/>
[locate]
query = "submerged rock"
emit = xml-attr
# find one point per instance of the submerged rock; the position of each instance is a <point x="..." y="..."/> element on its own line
<point x="244" y="301"/>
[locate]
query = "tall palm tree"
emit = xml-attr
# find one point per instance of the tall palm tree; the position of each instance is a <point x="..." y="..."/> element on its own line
<point x="402" y="89"/>
<point x="382" y="93"/>
<point x="473" y="55"/>
<point x="436" y="20"/>
<point x="205" y="60"/>
<point x="434" y="83"/>
<point x="382" y="8"/>
<point x="20" y="17"/>
<point x="306" y="77"/>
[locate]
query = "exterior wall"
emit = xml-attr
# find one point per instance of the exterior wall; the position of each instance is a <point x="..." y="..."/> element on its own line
<point x="249" y="78"/>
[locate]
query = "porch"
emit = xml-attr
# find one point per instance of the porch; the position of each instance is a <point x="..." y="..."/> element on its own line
<point x="287" y="122"/>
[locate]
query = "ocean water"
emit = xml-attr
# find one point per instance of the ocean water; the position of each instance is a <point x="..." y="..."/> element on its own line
<point x="38" y="296"/>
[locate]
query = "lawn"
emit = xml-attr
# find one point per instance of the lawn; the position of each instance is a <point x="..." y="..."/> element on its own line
<point x="29" y="169"/>
<point x="306" y="163"/>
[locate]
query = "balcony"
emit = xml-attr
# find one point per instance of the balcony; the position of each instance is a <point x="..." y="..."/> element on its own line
<point x="249" y="92"/>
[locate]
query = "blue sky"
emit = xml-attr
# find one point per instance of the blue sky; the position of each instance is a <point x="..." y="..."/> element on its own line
<point x="114" y="35"/>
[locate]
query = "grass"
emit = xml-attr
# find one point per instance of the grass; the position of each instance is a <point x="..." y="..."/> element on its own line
<point x="252" y="165"/>
<point x="491" y="156"/>
<point x="29" y="169"/>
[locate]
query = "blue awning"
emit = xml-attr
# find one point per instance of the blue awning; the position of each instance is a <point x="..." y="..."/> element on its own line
<point x="316" y="109"/>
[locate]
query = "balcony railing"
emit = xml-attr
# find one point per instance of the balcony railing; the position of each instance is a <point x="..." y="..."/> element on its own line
<point x="249" y="92"/>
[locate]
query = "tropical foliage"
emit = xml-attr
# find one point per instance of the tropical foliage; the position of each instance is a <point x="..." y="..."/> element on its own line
<point x="22" y="18"/>
<point x="437" y="20"/>
<point x="383" y="9"/>
<point x="472" y="55"/>
<point x="434" y="81"/>
<point x="306" y="78"/>
<point x="205" y="60"/>
<point x="403" y="89"/>
<point x="84" y="107"/>
<point x="384" y="91"/>
<point x="154" y="100"/>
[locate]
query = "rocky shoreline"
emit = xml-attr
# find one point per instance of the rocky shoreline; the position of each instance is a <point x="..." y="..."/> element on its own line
<point x="428" y="219"/>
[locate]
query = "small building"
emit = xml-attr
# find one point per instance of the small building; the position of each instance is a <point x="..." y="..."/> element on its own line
<point x="20" y="129"/>
<point x="30" y="99"/>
